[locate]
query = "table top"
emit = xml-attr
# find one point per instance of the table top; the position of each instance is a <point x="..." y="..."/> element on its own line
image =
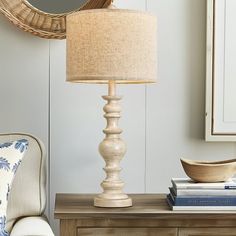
<point x="74" y="206"/>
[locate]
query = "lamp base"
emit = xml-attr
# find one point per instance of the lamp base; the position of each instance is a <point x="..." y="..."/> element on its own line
<point x="112" y="149"/>
<point x="100" y="201"/>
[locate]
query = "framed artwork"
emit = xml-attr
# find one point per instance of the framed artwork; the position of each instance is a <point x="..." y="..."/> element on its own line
<point x="221" y="71"/>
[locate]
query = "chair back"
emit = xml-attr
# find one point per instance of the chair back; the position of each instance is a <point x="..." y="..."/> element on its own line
<point x="28" y="193"/>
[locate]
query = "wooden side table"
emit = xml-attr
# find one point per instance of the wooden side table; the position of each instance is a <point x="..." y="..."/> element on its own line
<point x="149" y="216"/>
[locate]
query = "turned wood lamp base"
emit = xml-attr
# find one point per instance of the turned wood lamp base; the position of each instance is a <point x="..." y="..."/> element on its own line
<point x="105" y="202"/>
<point x="112" y="149"/>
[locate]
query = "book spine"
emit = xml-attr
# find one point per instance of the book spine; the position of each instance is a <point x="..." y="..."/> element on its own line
<point x="205" y="201"/>
<point x="203" y="208"/>
<point x="230" y="187"/>
<point x="204" y="192"/>
<point x="210" y="187"/>
<point x="198" y="208"/>
<point x="206" y="186"/>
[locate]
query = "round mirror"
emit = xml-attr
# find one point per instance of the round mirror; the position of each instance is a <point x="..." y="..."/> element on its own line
<point x="57" y="6"/>
<point x="44" y="18"/>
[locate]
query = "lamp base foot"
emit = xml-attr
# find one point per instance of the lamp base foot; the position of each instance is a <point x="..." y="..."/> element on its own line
<point x="112" y="203"/>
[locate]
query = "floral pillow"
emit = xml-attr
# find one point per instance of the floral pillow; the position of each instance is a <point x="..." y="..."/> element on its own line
<point x="11" y="154"/>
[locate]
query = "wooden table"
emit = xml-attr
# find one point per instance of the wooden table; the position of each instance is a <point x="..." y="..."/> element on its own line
<point x="149" y="216"/>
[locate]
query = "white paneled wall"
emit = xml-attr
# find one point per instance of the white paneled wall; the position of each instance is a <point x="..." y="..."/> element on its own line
<point x="176" y="105"/>
<point x="24" y="78"/>
<point x="161" y="122"/>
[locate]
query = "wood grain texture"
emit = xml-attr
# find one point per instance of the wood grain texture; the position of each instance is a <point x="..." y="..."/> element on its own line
<point x="68" y="228"/>
<point x="150" y="215"/>
<point x="127" y="232"/>
<point x="208" y="232"/>
<point x="42" y="24"/>
<point x="149" y="210"/>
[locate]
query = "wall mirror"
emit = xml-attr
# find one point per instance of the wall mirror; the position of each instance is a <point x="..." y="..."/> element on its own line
<point x="221" y="71"/>
<point x="58" y="6"/>
<point x="46" y="18"/>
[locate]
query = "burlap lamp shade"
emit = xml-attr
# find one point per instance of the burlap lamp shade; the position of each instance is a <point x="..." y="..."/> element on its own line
<point x="111" y="44"/>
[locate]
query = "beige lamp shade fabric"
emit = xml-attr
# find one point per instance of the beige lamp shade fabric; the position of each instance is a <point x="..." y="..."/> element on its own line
<point x="111" y="44"/>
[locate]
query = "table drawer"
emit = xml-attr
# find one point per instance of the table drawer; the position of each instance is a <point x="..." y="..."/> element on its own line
<point x="126" y="232"/>
<point x="207" y="232"/>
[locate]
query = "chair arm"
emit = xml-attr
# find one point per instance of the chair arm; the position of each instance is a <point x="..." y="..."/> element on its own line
<point x="32" y="226"/>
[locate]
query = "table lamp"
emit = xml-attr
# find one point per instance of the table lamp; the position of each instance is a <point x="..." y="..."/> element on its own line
<point x="112" y="46"/>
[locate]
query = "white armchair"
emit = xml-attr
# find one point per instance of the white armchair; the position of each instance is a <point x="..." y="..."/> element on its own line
<point x="27" y="200"/>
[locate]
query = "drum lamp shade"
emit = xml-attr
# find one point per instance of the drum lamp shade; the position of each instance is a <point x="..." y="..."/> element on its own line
<point x="111" y="44"/>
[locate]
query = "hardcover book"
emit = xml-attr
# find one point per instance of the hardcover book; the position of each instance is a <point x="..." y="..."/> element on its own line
<point x="203" y="192"/>
<point x="199" y="208"/>
<point x="183" y="183"/>
<point x="203" y="200"/>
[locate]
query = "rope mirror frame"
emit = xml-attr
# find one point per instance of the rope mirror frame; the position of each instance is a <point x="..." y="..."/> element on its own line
<point x="39" y="23"/>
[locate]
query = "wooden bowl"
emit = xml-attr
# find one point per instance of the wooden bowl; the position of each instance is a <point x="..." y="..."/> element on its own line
<point x="209" y="172"/>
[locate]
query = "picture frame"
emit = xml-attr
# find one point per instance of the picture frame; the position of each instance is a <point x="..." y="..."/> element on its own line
<point x="220" y="121"/>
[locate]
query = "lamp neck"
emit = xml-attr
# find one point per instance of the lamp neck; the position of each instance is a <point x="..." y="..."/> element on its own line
<point x="112" y="88"/>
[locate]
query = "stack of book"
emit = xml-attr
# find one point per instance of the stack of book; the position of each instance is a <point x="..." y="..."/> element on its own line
<point x="186" y="195"/>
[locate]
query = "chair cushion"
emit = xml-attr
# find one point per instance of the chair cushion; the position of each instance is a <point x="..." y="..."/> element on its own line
<point x="11" y="154"/>
<point x="28" y="193"/>
<point x="32" y="226"/>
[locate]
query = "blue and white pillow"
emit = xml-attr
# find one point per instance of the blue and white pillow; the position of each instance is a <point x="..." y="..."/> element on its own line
<point x="11" y="154"/>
